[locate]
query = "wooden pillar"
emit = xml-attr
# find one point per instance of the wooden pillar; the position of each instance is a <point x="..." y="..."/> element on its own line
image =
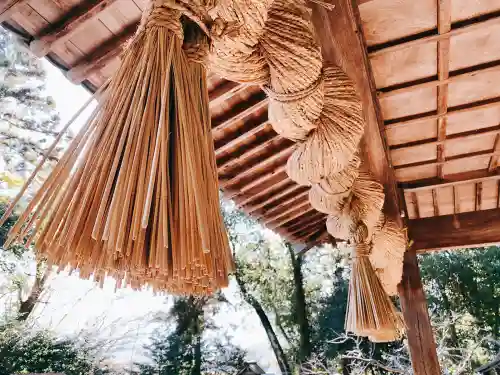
<point x="421" y="341"/>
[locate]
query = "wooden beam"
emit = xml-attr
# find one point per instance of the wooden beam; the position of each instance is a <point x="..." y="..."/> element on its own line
<point x="342" y="43"/>
<point x="476" y="155"/>
<point x="262" y="183"/>
<point x="474" y="106"/>
<point x="465" y="136"/>
<point x="8" y="8"/>
<point x="259" y="199"/>
<point x="291" y="189"/>
<point x="277" y="209"/>
<point x="74" y="21"/>
<point x="101" y="55"/>
<point x="278" y="217"/>
<point x="443" y="63"/>
<point x="477" y="228"/>
<point x="418" y="326"/>
<point x="384" y="93"/>
<point x="466" y="181"/>
<point x="274" y="143"/>
<point x="438" y="37"/>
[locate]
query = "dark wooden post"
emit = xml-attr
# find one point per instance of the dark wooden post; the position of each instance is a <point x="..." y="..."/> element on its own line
<point x="421" y="341"/>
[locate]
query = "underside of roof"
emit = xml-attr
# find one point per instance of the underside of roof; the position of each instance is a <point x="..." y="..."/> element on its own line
<point x="431" y="68"/>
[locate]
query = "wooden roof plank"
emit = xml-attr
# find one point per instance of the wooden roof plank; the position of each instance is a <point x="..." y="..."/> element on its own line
<point x="73" y="22"/>
<point x="10" y="7"/>
<point x="101" y="55"/>
<point x="437" y="37"/>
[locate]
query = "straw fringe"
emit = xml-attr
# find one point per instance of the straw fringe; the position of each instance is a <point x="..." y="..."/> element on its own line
<point x="135" y="196"/>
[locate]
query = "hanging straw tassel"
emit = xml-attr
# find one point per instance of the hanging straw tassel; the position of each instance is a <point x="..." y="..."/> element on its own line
<point x="330" y="147"/>
<point x="388" y="248"/>
<point x="135" y="196"/>
<point x="369" y="309"/>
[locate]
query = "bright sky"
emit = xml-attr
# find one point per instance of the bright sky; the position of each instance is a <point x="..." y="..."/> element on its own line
<point x="76" y="305"/>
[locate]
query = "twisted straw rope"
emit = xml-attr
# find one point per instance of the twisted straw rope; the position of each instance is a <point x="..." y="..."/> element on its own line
<point x="312" y="104"/>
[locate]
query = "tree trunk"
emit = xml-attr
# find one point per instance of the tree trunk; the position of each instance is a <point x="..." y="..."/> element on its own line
<point x="196" y="369"/>
<point x="271" y="335"/>
<point x="300" y="306"/>
<point x="27" y="306"/>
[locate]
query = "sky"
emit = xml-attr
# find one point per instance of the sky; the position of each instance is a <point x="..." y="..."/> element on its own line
<point x="74" y="305"/>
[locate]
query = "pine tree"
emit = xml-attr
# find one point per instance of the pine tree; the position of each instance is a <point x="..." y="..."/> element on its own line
<point x="28" y="118"/>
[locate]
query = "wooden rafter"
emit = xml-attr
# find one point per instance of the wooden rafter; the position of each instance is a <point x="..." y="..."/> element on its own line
<point x="100" y="56"/>
<point x="443" y="63"/>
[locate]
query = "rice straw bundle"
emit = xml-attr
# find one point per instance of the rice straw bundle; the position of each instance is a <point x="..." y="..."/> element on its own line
<point x="370" y="310"/>
<point x="135" y="196"/>
<point x="332" y="144"/>
<point x="389" y="243"/>
<point x="369" y="201"/>
<point x="235" y="53"/>
<point x="341" y="225"/>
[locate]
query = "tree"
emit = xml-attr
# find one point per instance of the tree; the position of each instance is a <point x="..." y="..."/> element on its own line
<point x="179" y="346"/>
<point x="23" y="352"/>
<point x="28" y="119"/>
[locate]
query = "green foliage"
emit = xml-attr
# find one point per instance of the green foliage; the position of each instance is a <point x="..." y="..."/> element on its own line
<point x="22" y="352"/>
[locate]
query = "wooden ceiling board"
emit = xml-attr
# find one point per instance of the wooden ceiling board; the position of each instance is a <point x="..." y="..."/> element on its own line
<point x="52" y="10"/>
<point x="122" y="13"/>
<point x="425" y="203"/>
<point x="470" y="145"/>
<point x="413" y="154"/>
<point x="475" y="47"/>
<point x="481" y="118"/>
<point x="29" y="19"/>
<point x="415" y="173"/>
<point x="88" y="39"/>
<point x="385" y="20"/>
<point x="408" y="133"/>
<point x="445" y="200"/>
<point x="466" y="195"/>
<point x="466" y="9"/>
<point x="489" y="195"/>
<point x="481" y="86"/>
<point x="406" y="65"/>
<point x="467" y="164"/>
<point x="411" y="208"/>
<point x="409" y="103"/>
